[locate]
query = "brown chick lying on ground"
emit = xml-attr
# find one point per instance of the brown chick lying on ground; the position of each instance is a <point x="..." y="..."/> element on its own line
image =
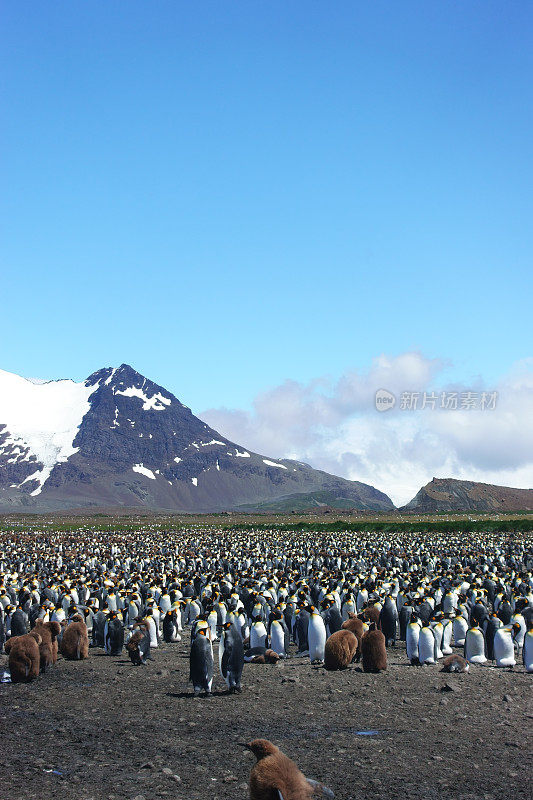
<point x="276" y="777"/>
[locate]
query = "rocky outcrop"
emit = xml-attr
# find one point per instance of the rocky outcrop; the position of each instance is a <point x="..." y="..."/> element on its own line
<point x="450" y="495"/>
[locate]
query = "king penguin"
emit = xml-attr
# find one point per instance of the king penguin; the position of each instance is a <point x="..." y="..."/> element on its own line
<point x="170" y="626"/>
<point x="278" y="633"/>
<point x="231" y="656"/>
<point x="427" y="646"/>
<point x="412" y="636"/>
<point x="504" y="646"/>
<point x="388" y="620"/>
<point x="527" y="650"/>
<point x="493" y="624"/>
<point x="201" y="663"/>
<point x="258" y="633"/>
<point x="474" y="651"/>
<point x="316" y="636"/>
<point x="113" y="634"/>
<point x="459" y="629"/>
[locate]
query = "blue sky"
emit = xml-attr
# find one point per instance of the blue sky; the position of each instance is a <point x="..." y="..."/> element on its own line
<point x="229" y="195"/>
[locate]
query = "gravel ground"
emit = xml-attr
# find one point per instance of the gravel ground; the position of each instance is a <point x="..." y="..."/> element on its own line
<point x="107" y="730"/>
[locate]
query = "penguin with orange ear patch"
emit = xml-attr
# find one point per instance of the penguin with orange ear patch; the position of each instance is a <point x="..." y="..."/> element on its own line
<point x="276" y="777"/>
<point x="373" y="650"/>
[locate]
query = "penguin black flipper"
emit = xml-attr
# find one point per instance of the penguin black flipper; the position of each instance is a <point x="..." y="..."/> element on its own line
<point x="225" y="658"/>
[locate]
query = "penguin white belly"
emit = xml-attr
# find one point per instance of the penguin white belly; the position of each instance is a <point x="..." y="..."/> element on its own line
<point x="277" y="638"/>
<point x="153" y="632"/>
<point x="504" y="653"/>
<point x="212" y="620"/>
<point x="316" y="636"/>
<point x="362" y="597"/>
<point x="448" y="604"/>
<point x="527" y="651"/>
<point x="459" y="629"/>
<point x="258" y="635"/>
<point x="411" y="640"/>
<point x="133" y="613"/>
<point x="475" y="646"/>
<point x="426" y="646"/>
<point x="438" y="632"/>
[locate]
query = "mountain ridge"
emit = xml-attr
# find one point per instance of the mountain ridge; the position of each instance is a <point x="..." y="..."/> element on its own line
<point x="136" y="444"/>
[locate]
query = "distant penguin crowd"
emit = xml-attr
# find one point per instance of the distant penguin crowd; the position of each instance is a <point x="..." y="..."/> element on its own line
<point x="244" y="596"/>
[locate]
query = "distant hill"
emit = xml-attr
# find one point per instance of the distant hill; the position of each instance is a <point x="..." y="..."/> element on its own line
<point x="119" y="440"/>
<point x="451" y="495"/>
<point x="320" y="502"/>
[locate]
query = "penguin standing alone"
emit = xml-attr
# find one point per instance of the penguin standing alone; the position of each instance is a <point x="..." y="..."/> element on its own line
<point x="231" y="656"/>
<point x="412" y="636"/>
<point x="113" y="635"/>
<point x="388" y="620"/>
<point x="170" y="627"/>
<point x="201" y="663"/>
<point x="474" y="651"/>
<point x="316" y="635"/>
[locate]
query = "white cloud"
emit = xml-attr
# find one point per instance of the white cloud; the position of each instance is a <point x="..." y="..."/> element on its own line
<point x="334" y="426"/>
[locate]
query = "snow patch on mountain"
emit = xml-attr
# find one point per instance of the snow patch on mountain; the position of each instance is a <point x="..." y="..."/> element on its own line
<point x="273" y="464"/>
<point x="42" y="419"/>
<point x="155" y="403"/>
<point x="142" y="470"/>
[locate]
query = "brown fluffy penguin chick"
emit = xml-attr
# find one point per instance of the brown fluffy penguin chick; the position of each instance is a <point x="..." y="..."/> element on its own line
<point x="75" y="641"/>
<point x="357" y="627"/>
<point x="455" y="663"/>
<point x="48" y="631"/>
<point x="275" y="776"/>
<point x="373" y="650"/>
<point x="340" y="650"/>
<point x="271" y="657"/>
<point x="24" y="659"/>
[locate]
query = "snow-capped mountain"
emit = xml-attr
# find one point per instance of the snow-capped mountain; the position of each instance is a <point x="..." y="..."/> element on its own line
<point x="118" y="439"/>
